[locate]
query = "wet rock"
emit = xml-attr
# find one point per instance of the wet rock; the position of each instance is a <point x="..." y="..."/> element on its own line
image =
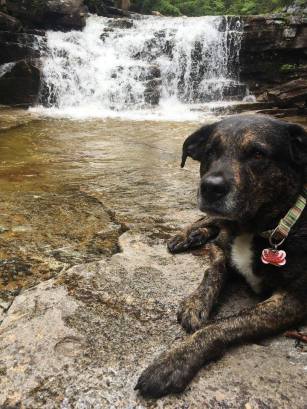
<point x="114" y="24"/>
<point x="269" y="45"/>
<point x="149" y="72"/>
<point x="18" y="46"/>
<point x="54" y="14"/>
<point x="149" y="75"/>
<point x="99" y="7"/>
<point x="284" y="112"/>
<point x="153" y="72"/>
<point x="270" y="32"/>
<point x="66" y="22"/>
<point x="19" y="84"/>
<point x="121" y="23"/>
<point x="106" y="33"/>
<point x="153" y="91"/>
<point x="289" y="94"/>
<point x="289" y="33"/>
<point x="154" y="47"/>
<point x="156" y="13"/>
<point x="298" y="7"/>
<point x="64" y="6"/>
<point x="9" y="23"/>
<point x="230" y="23"/>
<point x="117" y="12"/>
<point x="243" y="107"/>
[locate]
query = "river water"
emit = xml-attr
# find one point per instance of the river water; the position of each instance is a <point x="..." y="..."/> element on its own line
<point x="70" y="188"/>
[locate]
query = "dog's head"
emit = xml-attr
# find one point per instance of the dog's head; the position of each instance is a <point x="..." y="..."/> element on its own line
<point x="249" y="165"/>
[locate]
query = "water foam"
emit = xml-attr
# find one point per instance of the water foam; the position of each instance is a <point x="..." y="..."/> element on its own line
<point x="159" y="68"/>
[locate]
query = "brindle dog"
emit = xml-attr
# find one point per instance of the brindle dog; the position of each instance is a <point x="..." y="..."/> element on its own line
<point x="252" y="169"/>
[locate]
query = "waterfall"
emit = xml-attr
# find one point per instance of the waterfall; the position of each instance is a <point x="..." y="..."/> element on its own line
<point x="154" y="65"/>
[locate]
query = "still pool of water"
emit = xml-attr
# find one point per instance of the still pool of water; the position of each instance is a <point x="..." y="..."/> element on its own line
<point x="69" y="188"/>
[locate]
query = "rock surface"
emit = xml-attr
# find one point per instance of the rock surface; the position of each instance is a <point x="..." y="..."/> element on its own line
<point x="87" y="334"/>
<point x="65" y="14"/>
<point x="80" y="339"/>
<point x="20" y="82"/>
<point x="273" y="51"/>
<point x="289" y="94"/>
<point x="19" y="46"/>
<point x="9" y="23"/>
<point x="60" y="14"/>
<point x="297" y="7"/>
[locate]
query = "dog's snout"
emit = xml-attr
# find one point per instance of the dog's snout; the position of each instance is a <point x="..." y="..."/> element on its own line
<point x="214" y="187"/>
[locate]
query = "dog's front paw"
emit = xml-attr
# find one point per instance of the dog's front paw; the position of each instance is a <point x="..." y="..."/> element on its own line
<point x="192" y="313"/>
<point x="178" y="243"/>
<point x="188" y="240"/>
<point x="169" y="373"/>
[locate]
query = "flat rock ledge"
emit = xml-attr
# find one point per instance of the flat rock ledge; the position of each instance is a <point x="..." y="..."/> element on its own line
<point x="80" y="341"/>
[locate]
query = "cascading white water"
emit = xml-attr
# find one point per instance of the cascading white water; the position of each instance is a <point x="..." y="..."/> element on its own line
<point x="134" y="67"/>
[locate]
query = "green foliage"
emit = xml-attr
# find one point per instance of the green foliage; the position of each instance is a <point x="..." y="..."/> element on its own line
<point x="209" y="7"/>
<point x="292" y="68"/>
<point x="168" y="9"/>
<point x="287" y="68"/>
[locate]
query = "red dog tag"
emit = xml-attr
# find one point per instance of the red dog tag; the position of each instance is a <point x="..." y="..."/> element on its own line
<point x="275" y="257"/>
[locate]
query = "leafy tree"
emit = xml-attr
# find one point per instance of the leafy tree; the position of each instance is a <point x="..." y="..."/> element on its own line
<point x="209" y="7"/>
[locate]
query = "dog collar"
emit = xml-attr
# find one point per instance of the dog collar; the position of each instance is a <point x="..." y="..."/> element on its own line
<point x="278" y="235"/>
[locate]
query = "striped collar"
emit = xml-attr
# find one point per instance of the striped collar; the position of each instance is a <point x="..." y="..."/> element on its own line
<point x="278" y="235"/>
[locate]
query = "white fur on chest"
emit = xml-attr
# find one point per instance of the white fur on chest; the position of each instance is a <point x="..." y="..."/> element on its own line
<point x="242" y="259"/>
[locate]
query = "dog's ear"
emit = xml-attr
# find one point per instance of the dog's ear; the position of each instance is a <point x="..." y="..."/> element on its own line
<point x="194" y="144"/>
<point x="298" y="144"/>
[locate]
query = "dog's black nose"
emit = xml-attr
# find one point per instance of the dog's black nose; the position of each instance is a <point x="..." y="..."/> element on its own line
<point x="214" y="188"/>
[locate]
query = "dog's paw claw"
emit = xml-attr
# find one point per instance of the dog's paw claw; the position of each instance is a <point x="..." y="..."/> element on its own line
<point x="192" y="314"/>
<point x="183" y="242"/>
<point x="177" y="244"/>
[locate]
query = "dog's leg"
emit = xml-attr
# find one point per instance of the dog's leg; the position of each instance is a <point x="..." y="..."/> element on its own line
<point x="194" y="310"/>
<point x="173" y="370"/>
<point x="194" y="236"/>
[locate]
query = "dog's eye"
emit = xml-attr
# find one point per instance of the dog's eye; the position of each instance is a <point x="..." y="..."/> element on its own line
<point x="258" y="155"/>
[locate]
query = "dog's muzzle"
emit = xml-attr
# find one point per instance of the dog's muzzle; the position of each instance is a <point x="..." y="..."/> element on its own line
<point x="214" y="188"/>
<point x="215" y="195"/>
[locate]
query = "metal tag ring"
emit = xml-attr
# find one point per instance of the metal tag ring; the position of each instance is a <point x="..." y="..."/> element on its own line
<point x="275" y="245"/>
